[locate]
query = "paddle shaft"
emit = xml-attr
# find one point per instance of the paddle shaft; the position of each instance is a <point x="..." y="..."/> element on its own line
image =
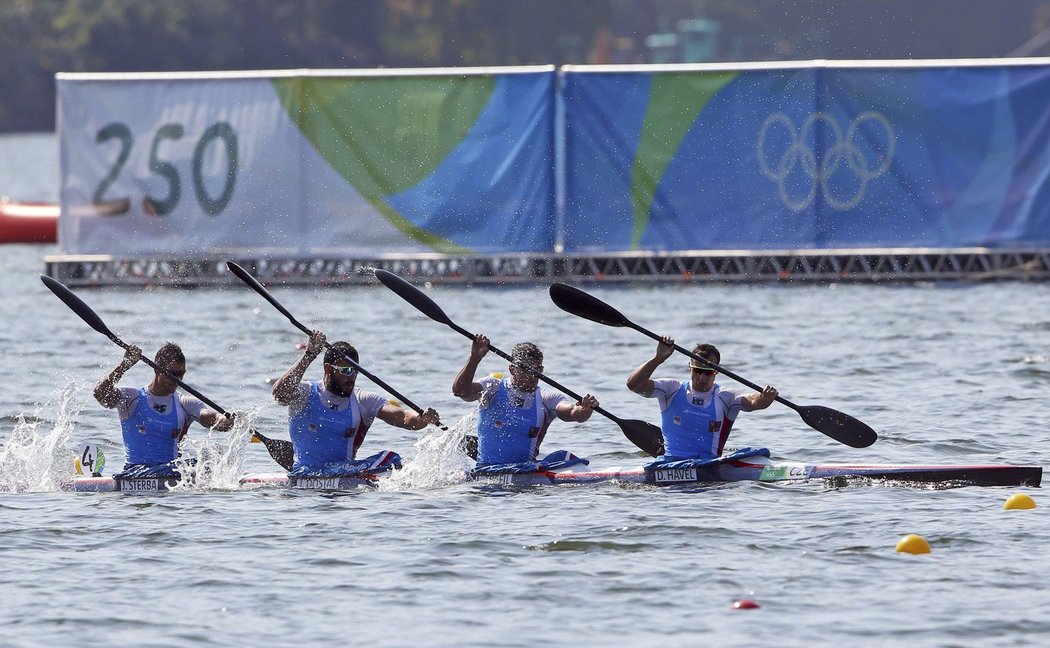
<point x="247" y="278"/>
<point x="86" y="313"/>
<point x="365" y="372"/>
<point x="550" y="381"/>
<point x="280" y="452"/>
<point x="841" y="427"/>
<point x="709" y="363"/>
<point x="646" y="436"/>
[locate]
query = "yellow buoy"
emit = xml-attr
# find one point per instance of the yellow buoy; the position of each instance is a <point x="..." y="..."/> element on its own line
<point x="913" y="544"/>
<point x="1019" y="501"/>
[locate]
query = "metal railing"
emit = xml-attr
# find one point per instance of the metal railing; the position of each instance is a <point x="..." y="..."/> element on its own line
<point x="848" y="265"/>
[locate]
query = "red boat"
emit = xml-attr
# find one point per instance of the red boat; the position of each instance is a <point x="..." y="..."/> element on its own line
<point x="28" y="222"/>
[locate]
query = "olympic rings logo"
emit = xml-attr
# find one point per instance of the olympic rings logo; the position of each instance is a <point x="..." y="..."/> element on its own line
<point x="840" y="171"/>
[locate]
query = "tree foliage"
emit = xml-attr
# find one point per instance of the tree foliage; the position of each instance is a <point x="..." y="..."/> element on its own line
<point x="41" y="37"/>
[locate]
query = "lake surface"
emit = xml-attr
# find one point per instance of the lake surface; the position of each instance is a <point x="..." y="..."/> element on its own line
<point x="950" y="373"/>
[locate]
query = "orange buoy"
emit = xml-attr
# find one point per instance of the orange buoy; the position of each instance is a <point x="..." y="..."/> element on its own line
<point x="1019" y="502"/>
<point x="913" y="544"/>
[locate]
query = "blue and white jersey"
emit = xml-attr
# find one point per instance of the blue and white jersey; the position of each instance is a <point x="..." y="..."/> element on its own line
<point x="512" y="423"/>
<point x="695" y="424"/>
<point x="325" y="428"/>
<point x="152" y="426"/>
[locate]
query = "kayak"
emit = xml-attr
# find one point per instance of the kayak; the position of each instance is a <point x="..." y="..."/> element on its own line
<point x="161" y="485"/>
<point x="761" y="469"/>
<point x="753" y="468"/>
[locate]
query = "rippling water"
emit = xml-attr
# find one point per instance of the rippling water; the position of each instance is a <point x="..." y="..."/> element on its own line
<point x="947" y="373"/>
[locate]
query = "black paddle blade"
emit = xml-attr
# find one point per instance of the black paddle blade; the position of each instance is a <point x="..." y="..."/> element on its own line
<point x="243" y="274"/>
<point x="575" y="301"/>
<point x="77" y="305"/>
<point x="282" y="451"/>
<point x="841" y="427"/>
<point x="469" y="445"/>
<point x="646" y="436"/>
<point x="255" y="285"/>
<point x="412" y="295"/>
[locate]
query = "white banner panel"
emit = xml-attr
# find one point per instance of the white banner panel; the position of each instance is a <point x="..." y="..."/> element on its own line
<point x="193" y="167"/>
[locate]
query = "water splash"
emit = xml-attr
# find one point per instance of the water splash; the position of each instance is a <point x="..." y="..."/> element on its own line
<point x="439" y="460"/>
<point x="37" y="456"/>
<point x="217" y="458"/>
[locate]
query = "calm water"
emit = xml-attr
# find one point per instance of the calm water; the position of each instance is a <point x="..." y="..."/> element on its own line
<point x="947" y="374"/>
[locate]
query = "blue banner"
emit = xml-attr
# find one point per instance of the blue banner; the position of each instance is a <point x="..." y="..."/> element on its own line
<point x="807" y="158"/>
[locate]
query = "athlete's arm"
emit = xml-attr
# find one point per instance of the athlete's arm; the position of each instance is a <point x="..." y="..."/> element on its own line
<point x="213" y="420"/>
<point x="464" y="386"/>
<point x="641" y="379"/>
<point x="405" y="418"/>
<point x="759" y="400"/>
<point x="286" y="389"/>
<point x="578" y="412"/>
<point x="106" y="392"/>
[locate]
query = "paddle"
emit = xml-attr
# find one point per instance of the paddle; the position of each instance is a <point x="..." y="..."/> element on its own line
<point x="281" y="451"/>
<point x="644" y="435"/>
<point x="841" y="427"/>
<point x="247" y="278"/>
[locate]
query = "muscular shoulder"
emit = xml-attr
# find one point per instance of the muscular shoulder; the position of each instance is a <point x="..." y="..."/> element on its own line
<point x="551" y="399"/>
<point x="128" y="394"/>
<point x="302" y="393"/>
<point x="731" y="395"/>
<point x="489" y="386"/>
<point x="665" y="388"/>
<point x="191" y="405"/>
<point x="129" y="397"/>
<point x="370" y="402"/>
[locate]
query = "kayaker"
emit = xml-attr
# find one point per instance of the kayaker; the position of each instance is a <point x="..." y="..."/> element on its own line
<point x="154" y="419"/>
<point x="514" y="413"/>
<point x="698" y="414"/>
<point x="328" y="419"/>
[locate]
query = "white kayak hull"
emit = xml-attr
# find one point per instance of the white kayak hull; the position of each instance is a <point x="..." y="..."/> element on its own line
<point x="161" y="485"/>
<point x="750" y="469"/>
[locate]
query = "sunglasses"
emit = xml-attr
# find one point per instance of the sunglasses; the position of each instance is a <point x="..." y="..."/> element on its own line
<point x="703" y="370"/>
<point x="346" y="371"/>
<point x="178" y="373"/>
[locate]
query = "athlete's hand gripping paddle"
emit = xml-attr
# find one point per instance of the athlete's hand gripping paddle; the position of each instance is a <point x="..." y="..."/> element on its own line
<point x="646" y="436"/>
<point x="841" y="427"/>
<point x="281" y="451"/>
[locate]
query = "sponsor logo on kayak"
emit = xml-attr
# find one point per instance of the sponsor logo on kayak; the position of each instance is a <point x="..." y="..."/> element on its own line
<point x="674" y="475"/>
<point x="503" y="479"/>
<point x="140" y="485"/>
<point x="317" y="483"/>
<point x="782" y="472"/>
